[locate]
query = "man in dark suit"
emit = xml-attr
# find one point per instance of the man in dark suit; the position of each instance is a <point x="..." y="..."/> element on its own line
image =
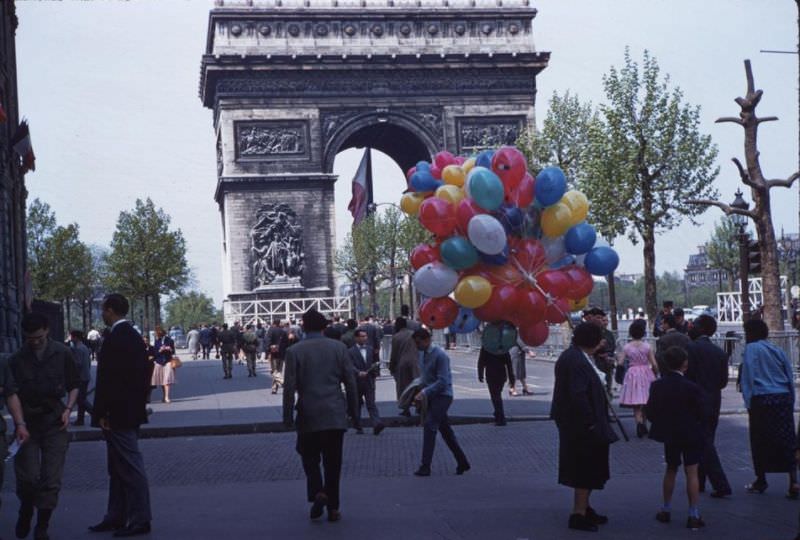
<point x="677" y="411"/>
<point x="119" y="409"/>
<point x="708" y="367"/>
<point x="374" y="337"/>
<point x="366" y="371"/>
<point x="584" y="434"/>
<point x="316" y="368"/>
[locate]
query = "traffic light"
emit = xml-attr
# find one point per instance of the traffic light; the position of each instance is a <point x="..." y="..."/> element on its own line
<point x="753" y="257"/>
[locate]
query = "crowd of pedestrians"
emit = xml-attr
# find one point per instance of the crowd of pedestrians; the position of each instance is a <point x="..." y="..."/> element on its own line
<point x="328" y="369"/>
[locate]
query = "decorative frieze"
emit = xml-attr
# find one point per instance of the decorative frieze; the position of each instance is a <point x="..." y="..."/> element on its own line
<point x="478" y="133"/>
<point x="276" y="251"/>
<point x="260" y="140"/>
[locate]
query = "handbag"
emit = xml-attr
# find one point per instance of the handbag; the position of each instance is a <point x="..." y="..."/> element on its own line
<point x="620" y="371"/>
<point x="175" y="362"/>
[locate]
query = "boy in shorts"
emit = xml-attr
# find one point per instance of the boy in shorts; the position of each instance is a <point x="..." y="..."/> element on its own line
<point x="677" y="411"/>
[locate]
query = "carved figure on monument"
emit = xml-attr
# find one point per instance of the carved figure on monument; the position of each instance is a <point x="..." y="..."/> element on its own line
<point x="269" y="140"/>
<point x="276" y="246"/>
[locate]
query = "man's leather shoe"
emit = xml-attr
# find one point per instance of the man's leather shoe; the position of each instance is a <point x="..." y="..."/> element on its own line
<point x="423" y="471"/>
<point x="105" y="526"/>
<point x="462" y="468"/>
<point x="377" y="429"/>
<point x="334" y="515"/>
<point x="581" y="523"/>
<point x="664" y="516"/>
<point x="320" y="501"/>
<point x="720" y="494"/>
<point x="134" y="530"/>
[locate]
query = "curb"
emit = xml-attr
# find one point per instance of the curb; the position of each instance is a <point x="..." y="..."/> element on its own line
<point x="251" y="428"/>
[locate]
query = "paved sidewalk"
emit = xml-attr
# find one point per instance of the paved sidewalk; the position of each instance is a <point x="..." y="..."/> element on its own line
<point x="251" y="486"/>
<point x="203" y="403"/>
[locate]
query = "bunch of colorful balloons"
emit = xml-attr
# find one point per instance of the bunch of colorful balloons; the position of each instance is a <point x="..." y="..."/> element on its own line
<point x="509" y="249"/>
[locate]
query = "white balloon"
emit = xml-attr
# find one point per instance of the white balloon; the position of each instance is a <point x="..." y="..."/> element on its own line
<point x="554" y="249"/>
<point x="435" y="280"/>
<point x="487" y="234"/>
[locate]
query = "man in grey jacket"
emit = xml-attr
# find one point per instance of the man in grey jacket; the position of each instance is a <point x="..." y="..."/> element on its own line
<point x="315" y="368"/>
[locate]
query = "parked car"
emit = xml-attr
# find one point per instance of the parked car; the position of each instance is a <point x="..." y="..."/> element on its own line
<point x="177" y="335"/>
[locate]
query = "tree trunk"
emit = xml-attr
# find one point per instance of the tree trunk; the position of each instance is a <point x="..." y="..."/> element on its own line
<point x="146" y="315"/>
<point x="83" y="314"/>
<point x="612" y="300"/>
<point x="649" y="253"/>
<point x="359" y="300"/>
<point x="157" y="309"/>
<point x="770" y="276"/>
<point x="393" y="281"/>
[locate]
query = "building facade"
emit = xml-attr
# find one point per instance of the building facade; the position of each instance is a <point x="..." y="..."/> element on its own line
<point x="12" y="191"/>
<point x="700" y="273"/>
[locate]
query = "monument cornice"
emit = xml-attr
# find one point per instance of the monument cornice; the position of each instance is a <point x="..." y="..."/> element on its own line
<point x="375" y="76"/>
<point x="284" y="181"/>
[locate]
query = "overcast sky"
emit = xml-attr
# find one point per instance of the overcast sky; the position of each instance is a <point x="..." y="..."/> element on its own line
<point x="110" y="89"/>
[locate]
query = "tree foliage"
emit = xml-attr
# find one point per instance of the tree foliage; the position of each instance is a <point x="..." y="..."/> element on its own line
<point x="147" y="259"/>
<point x="723" y="249"/>
<point x="192" y="308"/>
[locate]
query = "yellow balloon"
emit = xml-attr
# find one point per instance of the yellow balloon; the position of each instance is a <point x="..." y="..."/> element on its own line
<point x="410" y="202"/>
<point x="473" y="291"/>
<point x="454" y="175"/>
<point x="577" y="305"/>
<point x="556" y="220"/>
<point x="578" y="205"/>
<point x="468" y="165"/>
<point x="449" y="193"/>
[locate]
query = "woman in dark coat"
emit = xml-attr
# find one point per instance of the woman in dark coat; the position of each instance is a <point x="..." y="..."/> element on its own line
<point x="584" y="434"/>
<point x="496" y="366"/>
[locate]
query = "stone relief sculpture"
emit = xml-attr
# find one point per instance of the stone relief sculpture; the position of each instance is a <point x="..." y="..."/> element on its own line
<point x="257" y="140"/>
<point x="476" y="136"/>
<point x="276" y="251"/>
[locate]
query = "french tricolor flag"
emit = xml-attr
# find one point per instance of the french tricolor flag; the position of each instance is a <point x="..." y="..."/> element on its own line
<point x="361" y="187"/>
<point x="21" y="143"/>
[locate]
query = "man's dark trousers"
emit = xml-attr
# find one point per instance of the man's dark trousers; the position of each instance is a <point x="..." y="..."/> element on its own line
<point x="327" y="446"/>
<point x="39" y="465"/>
<point x="436" y="420"/>
<point x="710" y="465"/>
<point x="496" y="394"/>
<point x="129" y="494"/>
<point x="227" y="363"/>
<point x="366" y="395"/>
<point x="83" y="389"/>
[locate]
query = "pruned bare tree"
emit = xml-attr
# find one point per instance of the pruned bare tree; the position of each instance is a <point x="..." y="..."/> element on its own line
<point x="760" y="186"/>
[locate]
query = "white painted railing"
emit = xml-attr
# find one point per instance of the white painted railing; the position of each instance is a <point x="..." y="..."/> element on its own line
<point x="265" y="311"/>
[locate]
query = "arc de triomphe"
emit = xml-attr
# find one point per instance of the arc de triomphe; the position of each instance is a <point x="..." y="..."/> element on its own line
<point x="293" y="82"/>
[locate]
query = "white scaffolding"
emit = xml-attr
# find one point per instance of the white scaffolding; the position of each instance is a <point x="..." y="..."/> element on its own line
<point x="729" y="304"/>
<point x="265" y="311"/>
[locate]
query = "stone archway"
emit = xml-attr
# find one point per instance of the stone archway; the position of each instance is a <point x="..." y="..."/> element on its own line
<point x="400" y="138"/>
<point x="293" y="82"/>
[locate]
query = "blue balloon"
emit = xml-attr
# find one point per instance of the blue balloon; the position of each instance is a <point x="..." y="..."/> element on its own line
<point x="511" y="217"/>
<point x="424" y="181"/>
<point x="601" y="261"/>
<point x="580" y="239"/>
<point x="566" y="260"/>
<point x="485" y="188"/>
<point x="458" y="253"/>
<point x="499" y="337"/>
<point x="484" y="159"/>
<point x="497" y="260"/>
<point x="423" y="166"/>
<point x="550" y="186"/>
<point x="465" y="322"/>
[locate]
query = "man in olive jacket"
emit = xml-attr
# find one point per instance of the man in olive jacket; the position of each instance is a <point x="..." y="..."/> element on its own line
<point x="316" y="368"/>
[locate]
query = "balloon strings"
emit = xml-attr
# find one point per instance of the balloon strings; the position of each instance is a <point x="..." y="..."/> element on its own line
<point x="531" y="280"/>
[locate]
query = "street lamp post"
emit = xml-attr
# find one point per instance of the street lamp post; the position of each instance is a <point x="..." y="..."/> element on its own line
<point x="741" y="223"/>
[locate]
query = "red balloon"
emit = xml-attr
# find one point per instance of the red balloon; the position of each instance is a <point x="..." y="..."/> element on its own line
<point x="438" y="216"/>
<point x="528" y="253"/>
<point x="534" y="334"/>
<point x="522" y="194"/>
<point x="554" y="282"/>
<point x="438" y="312"/>
<point x="504" y="275"/>
<point x="424" y="254"/>
<point x="443" y="159"/>
<point x="502" y="302"/>
<point x="466" y="210"/>
<point x="436" y="172"/>
<point x="460" y="160"/>
<point x="510" y="165"/>
<point x="557" y="311"/>
<point x="531" y="306"/>
<point x="581" y="282"/>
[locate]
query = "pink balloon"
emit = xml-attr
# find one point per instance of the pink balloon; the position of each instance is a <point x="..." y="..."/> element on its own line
<point x="436" y="172"/>
<point x="443" y="159"/>
<point x="411" y="172"/>
<point x="466" y="210"/>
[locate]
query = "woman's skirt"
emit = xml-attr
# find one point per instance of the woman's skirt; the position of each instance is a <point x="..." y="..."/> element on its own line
<point x="636" y="386"/>
<point x="163" y="375"/>
<point x="772" y="434"/>
<point x="582" y="463"/>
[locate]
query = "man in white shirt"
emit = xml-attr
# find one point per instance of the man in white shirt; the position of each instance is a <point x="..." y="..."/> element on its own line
<point x="361" y="354"/>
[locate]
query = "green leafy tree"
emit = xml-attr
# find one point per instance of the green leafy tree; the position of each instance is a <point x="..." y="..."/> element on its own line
<point x="723" y="249"/>
<point x="40" y="224"/>
<point x="147" y="259"/>
<point x="647" y="159"/>
<point x="563" y="140"/>
<point x="192" y="308"/>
